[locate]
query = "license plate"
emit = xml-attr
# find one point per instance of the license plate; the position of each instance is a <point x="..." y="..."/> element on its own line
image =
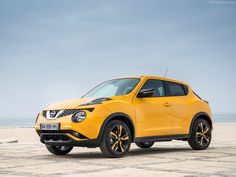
<point x="54" y="126"/>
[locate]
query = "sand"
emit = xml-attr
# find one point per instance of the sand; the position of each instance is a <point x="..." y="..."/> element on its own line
<point x="29" y="157"/>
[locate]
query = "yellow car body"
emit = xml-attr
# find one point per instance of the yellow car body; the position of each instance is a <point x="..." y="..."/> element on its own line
<point x="148" y="118"/>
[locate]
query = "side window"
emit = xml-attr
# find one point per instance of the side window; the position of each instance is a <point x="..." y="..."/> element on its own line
<point x="157" y="85"/>
<point x="174" y="89"/>
<point x="186" y="89"/>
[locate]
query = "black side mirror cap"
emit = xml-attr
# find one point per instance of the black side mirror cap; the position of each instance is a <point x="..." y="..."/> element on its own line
<point x="146" y="93"/>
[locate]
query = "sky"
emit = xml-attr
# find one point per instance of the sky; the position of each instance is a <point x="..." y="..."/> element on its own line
<point x="57" y="50"/>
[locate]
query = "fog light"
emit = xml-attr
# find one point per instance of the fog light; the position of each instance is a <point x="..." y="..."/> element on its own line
<point x="79" y="116"/>
<point x="76" y="134"/>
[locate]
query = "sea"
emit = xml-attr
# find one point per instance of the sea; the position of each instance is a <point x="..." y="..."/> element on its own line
<point x="29" y="122"/>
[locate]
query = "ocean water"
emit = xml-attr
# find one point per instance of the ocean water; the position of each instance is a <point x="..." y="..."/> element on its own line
<point x="224" y="118"/>
<point x="31" y="121"/>
<point x="17" y="122"/>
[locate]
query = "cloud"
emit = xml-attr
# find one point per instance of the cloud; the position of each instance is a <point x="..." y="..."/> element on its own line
<point x="56" y="50"/>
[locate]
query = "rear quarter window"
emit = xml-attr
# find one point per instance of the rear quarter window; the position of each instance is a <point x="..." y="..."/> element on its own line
<point x="185" y="89"/>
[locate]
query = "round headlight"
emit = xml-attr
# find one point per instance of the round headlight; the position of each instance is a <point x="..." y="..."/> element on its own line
<point x="79" y="116"/>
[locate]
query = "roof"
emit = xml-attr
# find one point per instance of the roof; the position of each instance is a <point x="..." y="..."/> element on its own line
<point x="163" y="78"/>
<point x="156" y="77"/>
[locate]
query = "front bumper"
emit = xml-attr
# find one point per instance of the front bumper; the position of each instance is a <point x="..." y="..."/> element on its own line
<point x="65" y="138"/>
<point x="88" y="132"/>
<point x="89" y="128"/>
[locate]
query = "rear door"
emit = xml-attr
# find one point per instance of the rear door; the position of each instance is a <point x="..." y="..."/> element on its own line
<point x="179" y="107"/>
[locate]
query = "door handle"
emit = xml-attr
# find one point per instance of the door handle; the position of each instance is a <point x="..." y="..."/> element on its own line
<point x="167" y="104"/>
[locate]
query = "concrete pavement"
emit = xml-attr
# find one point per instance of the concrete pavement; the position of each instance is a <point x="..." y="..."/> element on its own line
<point x="163" y="159"/>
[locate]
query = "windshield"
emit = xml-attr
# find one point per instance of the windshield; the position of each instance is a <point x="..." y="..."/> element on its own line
<point x="114" y="87"/>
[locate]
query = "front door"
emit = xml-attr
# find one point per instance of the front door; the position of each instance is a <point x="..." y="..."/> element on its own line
<point x="151" y="112"/>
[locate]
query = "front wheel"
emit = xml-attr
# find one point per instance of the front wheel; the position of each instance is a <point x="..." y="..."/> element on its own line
<point x="145" y="144"/>
<point x="59" y="150"/>
<point x="116" y="139"/>
<point x="201" y="135"/>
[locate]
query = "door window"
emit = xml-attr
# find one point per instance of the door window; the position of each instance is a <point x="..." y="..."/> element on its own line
<point x="175" y="89"/>
<point x="157" y="85"/>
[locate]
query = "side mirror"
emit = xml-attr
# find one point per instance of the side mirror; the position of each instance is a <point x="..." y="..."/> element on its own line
<point x="146" y="93"/>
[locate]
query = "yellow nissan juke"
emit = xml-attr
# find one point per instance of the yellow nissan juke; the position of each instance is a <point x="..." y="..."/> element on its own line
<point x="142" y="110"/>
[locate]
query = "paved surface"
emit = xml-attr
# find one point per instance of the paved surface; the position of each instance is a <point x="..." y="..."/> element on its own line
<point x="164" y="159"/>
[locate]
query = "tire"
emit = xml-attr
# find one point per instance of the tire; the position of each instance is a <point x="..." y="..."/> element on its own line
<point x="59" y="150"/>
<point x="116" y="139"/>
<point x="200" y="137"/>
<point x="145" y="144"/>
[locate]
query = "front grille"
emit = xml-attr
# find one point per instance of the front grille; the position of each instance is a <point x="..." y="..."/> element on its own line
<point x="67" y="112"/>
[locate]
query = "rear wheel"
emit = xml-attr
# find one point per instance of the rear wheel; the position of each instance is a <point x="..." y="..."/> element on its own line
<point x="145" y="144"/>
<point x="201" y="135"/>
<point x="59" y="150"/>
<point x="116" y="139"/>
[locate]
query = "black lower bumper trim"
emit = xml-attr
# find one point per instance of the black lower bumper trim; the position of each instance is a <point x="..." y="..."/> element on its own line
<point x="74" y="133"/>
<point x="61" y="139"/>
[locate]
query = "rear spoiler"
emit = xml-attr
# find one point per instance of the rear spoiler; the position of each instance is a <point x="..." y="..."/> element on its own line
<point x="201" y="98"/>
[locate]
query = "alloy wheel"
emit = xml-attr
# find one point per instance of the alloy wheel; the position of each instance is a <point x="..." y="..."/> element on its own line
<point x="119" y="139"/>
<point x="203" y="134"/>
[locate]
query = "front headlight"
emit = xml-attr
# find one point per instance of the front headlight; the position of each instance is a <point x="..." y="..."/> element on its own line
<point x="79" y="116"/>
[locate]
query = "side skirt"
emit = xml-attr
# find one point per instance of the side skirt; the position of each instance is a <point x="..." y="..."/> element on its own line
<point x="182" y="137"/>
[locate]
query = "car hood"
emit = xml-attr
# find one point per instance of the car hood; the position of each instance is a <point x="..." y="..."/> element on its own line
<point x="68" y="104"/>
<point x="75" y="103"/>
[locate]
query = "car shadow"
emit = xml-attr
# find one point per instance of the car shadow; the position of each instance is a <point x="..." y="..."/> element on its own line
<point x="132" y="152"/>
<point x="157" y="150"/>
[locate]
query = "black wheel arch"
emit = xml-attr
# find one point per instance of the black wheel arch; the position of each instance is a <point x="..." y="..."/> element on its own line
<point x="117" y="116"/>
<point x="202" y="115"/>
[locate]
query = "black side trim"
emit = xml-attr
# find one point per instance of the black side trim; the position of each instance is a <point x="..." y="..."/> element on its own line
<point x="162" y="138"/>
<point x="197" y="116"/>
<point x="109" y="118"/>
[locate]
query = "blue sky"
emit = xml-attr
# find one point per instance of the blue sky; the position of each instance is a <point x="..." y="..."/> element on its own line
<point x="55" y="50"/>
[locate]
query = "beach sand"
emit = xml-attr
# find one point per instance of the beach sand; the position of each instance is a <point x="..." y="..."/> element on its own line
<point x="29" y="157"/>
